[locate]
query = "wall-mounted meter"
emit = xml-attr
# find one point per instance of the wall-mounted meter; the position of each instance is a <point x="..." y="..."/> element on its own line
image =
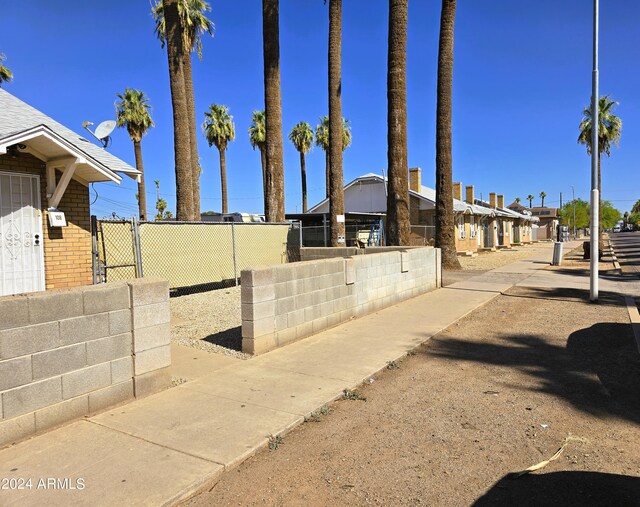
<point x="56" y="218"/>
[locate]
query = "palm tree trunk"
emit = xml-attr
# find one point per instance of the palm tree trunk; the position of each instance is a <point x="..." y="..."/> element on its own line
<point x="263" y="161"/>
<point x="181" y="132"/>
<point x="142" y="196"/>
<point x="336" y="188"/>
<point x="542" y="205"/>
<point x="193" y="129"/>
<point x="398" y="225"/>
<point x="327" y="157"/>
<point x="303" y="175"/>
<point x="223" y="181"/>
<point x="273" y="111"/>
<point x="445" y="230"/>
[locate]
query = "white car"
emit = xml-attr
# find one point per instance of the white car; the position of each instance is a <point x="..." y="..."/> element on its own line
<point x="616" y="228"/>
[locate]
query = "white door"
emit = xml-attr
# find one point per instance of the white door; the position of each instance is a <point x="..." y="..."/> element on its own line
<point x="21" y="248"/>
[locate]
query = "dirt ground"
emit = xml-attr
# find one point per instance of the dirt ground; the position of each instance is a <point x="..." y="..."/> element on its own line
<point x="497" y="392"/>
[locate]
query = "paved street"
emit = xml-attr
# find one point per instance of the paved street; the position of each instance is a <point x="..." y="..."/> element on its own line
<point x="627" y="248"/>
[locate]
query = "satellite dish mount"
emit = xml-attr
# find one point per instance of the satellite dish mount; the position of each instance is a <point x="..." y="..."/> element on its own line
<point x="102" y="131"/>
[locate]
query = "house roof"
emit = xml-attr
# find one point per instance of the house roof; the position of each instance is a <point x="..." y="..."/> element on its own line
<point x="426" y="193"/>
<point x="46" y="138"/>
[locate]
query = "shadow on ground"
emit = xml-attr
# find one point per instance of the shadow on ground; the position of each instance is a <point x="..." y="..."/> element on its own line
<point x="597" y="371"/>
<point x="586" y="489"/>
<point x="229" y="338"/>
<point x="562" y="294"/>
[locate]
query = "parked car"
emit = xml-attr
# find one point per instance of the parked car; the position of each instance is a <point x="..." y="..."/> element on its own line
<point x="617" y="228"/>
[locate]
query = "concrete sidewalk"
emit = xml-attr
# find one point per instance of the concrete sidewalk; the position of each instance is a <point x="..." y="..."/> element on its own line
<point x="160" y="449"/>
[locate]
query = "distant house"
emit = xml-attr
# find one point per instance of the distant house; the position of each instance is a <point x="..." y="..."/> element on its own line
<point x="45" y="171"/>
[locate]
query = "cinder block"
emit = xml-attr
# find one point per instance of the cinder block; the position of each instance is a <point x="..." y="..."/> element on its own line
<point x="258" y="311"/>
<point x="152" y="359"/>
<point x="110" y="396"/>
<point x="284" y="306"/>
<point x="121" y="370"/>
<point x="295" y="318"/>
<point x="350" y="270"/>
<point x="85" y="328"/>
<point x="257" y="277"/>
<point x="119" y="322"/>
<point x="148" y="291"/>
<point x="280" y="290"/>
<point x="151" y="382"/>
<point x="294" y="288"/>
<point x="326" y="308"/>
<point x="251" y="295"/>
<point x="22" y="400"/>
<point x="151" y="315"/>
<point x="59" y="413"/>
<point x="61" y="360"/>
<point x="151" y="337"/>
<point x="15" y="372"/>
<point x="311" y="313"/>
<point x="303" y="330"/>
<point x="105" y="298"/>
<point x="286" y="336"/>
<point x="281" y="322"/>
<point x="256" y="328"/>
<point x="319" y="325"/>
<point x="333" y="319"/>
<point x="27" y="340"/>
<point x="283" y="273"/>
<point x="14" y="312"/>
<point x="303" y="301"/>
<point x="259" y="345"/>
<point x="16" y="429"/>
<point x="52" y="306"/>
<point x="86" y="380"/>
<point x="109" y="348"/>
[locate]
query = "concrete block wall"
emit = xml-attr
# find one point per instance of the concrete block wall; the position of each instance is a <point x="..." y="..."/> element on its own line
<point x="316" y="253"/>
<point x="67" y="354"/>
<point x="282" y="304"/>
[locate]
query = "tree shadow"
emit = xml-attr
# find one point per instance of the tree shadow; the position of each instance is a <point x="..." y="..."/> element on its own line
<point x="229" y="338"/>
<point x="563" y="294"/>
<point x="598" y="371"/>
<point x="585" y="489"/>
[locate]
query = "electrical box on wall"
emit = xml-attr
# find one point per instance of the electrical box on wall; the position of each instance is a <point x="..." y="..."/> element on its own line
<point x="56" y="218"/>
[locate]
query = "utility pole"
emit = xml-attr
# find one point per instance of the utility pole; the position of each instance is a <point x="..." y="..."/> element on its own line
<point x="595" y="219"/>
<point x="573" y="200"/>
<point x="560" y="200"/>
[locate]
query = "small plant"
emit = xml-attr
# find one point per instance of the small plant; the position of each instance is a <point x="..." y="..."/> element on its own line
<point x="275" y="441"/>
<point x="393" y="365"/>
<point x="176" y="381"/>
<point x="316" y="415"/>
<point x="412" y="353"/>
<point x="348" y="394"/>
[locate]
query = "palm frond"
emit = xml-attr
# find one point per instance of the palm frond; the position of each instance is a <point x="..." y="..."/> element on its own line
<point x="218" y="127"/>
<point x="132" y="112"/>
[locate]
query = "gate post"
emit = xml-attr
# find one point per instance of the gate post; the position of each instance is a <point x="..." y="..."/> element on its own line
<point x="235" y="263"/>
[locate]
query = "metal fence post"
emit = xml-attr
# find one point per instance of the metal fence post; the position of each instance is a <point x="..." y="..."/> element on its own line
<point x="300" y="225"/>
<point x="324" y="228"/>
<point x="135" y="233"/>
<point x="235" y="262"/>
<point x="95" y="253"/>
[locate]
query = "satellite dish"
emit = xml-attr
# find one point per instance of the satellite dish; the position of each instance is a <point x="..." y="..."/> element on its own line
<point x="104" y="129"/>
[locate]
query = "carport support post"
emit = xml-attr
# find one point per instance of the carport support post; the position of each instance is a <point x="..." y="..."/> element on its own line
<point x="135" y="236"/>
<point x="235" y="263"/>
<point x="324" y="228"/>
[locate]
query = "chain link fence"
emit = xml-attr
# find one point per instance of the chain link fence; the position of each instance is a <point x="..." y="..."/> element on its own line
<point x="193" y="256"/>
<point x="423" y="235"/>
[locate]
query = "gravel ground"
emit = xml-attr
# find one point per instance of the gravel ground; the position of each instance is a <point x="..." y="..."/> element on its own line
<point x="493" y="394"/>
<point x="209" y="321"/>
<point x="492" y="260"/>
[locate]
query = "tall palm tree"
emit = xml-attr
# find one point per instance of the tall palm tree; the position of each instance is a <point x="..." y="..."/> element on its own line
<point x="132" y="111"/>
<point x="530" y="198"/>
<point x="542" y="196"/>
<point x="181" y="131"/>
<point x="398" y="225"/>
<point x="302" y="138"/>
<point x="273" y="111"/>
<point x="322" y="140"/>
<point x="194" y="23"/>
<point x="5" y="74"/>
<point x="218" y="128"/>
<point x="445" y="230"/>
<point x="609" y="131"/>
<point x="336" y="186"/>
<point x="257" y="139"/>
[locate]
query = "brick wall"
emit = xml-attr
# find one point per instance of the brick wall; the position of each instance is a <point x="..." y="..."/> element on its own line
<point x="281" y="304"/>
<point x="67" y="250"/>
<point x="67" y="354"/>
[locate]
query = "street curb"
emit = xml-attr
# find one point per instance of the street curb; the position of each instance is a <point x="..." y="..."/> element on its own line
<point x="634" y="317"/>
<point x="616" y="264"/>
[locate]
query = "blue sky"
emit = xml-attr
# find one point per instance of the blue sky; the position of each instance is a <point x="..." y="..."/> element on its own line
<point x="521" y="79"/>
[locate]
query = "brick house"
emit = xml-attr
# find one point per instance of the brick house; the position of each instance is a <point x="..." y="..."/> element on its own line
<point x="46" y="168"/>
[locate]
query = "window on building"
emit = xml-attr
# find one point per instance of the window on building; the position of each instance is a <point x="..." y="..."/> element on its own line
<point x="462" y="232"/>
<point x="472" y="226"/>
